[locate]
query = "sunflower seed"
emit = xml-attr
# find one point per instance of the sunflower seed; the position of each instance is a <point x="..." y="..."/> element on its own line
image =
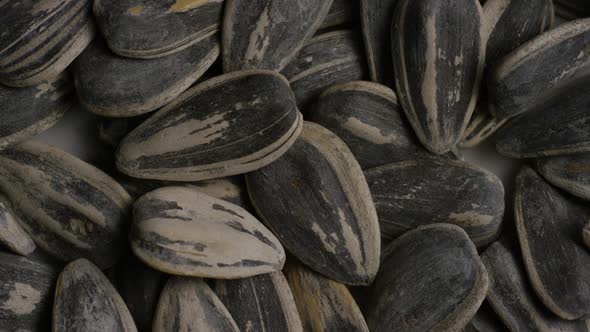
<point x="251" y="121"/>
<point x="40" y="39"/>
<point x="511" y="23"/>
<point x="548" y="226"/>
<point x="188" y="304"/>
<point x="125" y="87"/>
<point x="431" y="279"/>
<point x="184" y="232"/>
<point x="558" y="125"/>
<point x="485" y="320"/>
<point x="376" y="24"/>
<point x="516" y="84"/>
<point x="26" y="287"/>
<point x="12" y="236"/>
<point x="85" y="300"/>
<point x="481" y="127"/>
<point x="260" y="303"/>
<point x="438" y="54"/>
<point x="323" y="304"/>
<point x="325" y="60"/>
<point x="316" y="200"/>
<point x="570" y="173"/>
<point x="154" y="28"/>
<point x="369" y="120"/>
<point x="69" y="208"/>
<point x="341" y="12"/>
<point x="514" y="301"/>
<point x="426" y="191"/>
<point x="27" y="112"/>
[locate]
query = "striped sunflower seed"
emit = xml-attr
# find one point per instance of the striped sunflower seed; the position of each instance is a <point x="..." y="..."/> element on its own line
<point x="12" y="236"/>
<point x="69" y="208"/>
<point x="27" y="112"/>
<point x="245" y="120"/>
<point x="511" y="297"/>
<point x="316" y="200"/>
<point x="85" y="300"/>
<point x="262" y="34"/>
<point x="485" y="320"/>
<point x="188" y="304"/>
<point x="412" y="193"/>
<point x="26" y="287"/>
<point x="153" y="28"/>
<point x="327" y="59"/>
<point x="516" y="84"/>
<point x="40" y="39"/>
<point x="438" y="55"/>
<point x="369" y="119"/>
<point x="323" y="304"/>
<point x="548" y="226"/>
<point x="570" y="173"/>
<point x="342" y="12"/>
<point x="260" y="303"/>
<point x="431" y="279"/>
<point x="184" y="232"/>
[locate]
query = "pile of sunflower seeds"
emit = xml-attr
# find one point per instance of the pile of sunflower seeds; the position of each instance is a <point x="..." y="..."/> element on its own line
<point x="295" y="165"/>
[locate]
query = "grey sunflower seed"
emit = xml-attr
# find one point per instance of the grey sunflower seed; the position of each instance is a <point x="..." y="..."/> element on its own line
<point x="485" y="320"/>
<point x="184" y="232"/>
<point x="327" y="59"/>
<point x="69" y="208"/>
<point x="431" y="279"/>
<point x="26" y="287"/>
<point x="570" y="173"/>
<point x="516" y="84"/>
<point x="438" y="54"/>
<point x="125" y="87"/>
<point x="153" y="28"/>
<point x="251" y="121"/>
<point x="260" y="303"/>
<point x="425" y="191"/>
<point x="558" y="125"/>
<point x="369" y="119"/>
<point x="27" y="112"/>
<point x="85" y="300"/>
<point x="188" y="304"/>
<point x="341" y="12"/>
<point x="548" y="226"/>
<point x="511" y="297"/>
<point x="41" y="38"/>
<point x="261" y="34"/>
<point x="323" y="304"/>
<point x="316" y="200"/>
<point x="12" y="236"/>
<point x="481" y="127"/>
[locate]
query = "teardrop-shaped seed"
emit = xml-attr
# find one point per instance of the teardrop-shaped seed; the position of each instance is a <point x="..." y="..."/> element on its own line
<point x="570" y="173"/>
<point x="155" y="28"/>
<point x="481" y="127"/>
<point x="517" y="84"/>
<point x="85" y="300"/>
<point x="125" y="87"/>
<point x="341" y="12"/>
<point x="511" y="23"/>
<point x="260" y="303"/>
<point x="261" y="34"/>
<point x="26" y="112"/>
<point x="548" y="226"/>
<point x="324" y="305"/>
<point x="228" y="125"/>
<point x="369" y="119"/>
<point x="558" y="125"/>
<point x="188" y="304"/>
<point x="376" y="24"/>
<point x="438" y="55"/>
<point x="26" y="288"/>
<point x="41" y="38"/>
<point x="512" y="298"/>
<point x="327" y="59"/>
<point x="485" y="320"/>
<point x="70" y="208"/>
<point x="412" y="193"/>
<point x="12" y="236"/>
<point x="184" y="232"/>
<point x="316" y="200"/>
<point x="431" y="279"/>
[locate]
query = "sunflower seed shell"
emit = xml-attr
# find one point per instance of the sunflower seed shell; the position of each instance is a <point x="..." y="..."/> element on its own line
<point x="12" y="236"/>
